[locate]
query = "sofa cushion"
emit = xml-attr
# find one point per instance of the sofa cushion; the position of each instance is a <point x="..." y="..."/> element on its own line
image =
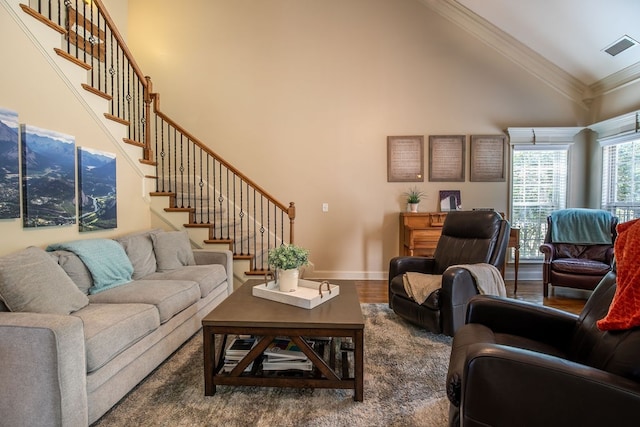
<point x="75" y="269"/>
<point x="208" y="277"/>
<point x="173" y="250"/>
<point x="109" y="329"/>
<point x="580" y="266"/>
<point x="31" y="281"/>
<point x="139" y="249"/>
<point x="168" y="296"/>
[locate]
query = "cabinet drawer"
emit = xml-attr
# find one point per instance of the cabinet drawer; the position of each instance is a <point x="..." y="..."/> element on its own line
<point x="426" y="236"/>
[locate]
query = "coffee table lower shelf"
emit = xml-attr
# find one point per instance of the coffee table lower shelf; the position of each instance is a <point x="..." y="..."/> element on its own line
<point x="323" y="375"/>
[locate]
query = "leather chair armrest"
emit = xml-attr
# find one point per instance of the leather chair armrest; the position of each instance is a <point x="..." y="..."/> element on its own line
<point x="549" y="252"/>
<point x="523" y="318"/>
<point x="609" y="256"/>
<point x="458" y="286"/>
<point x="402" y="264"/>
<point x="548" y="391"/>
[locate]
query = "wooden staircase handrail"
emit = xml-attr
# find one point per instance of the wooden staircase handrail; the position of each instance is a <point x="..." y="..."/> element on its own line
<point x="146" y="82"/>
<point x="156" y="108"/>
<point x="120" y="40"/>
<point x="140" y="129"/>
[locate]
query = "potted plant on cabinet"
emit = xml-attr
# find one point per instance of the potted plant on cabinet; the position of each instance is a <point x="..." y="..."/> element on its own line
<point x="287" y="260"/>
<point x="413" y="199"/>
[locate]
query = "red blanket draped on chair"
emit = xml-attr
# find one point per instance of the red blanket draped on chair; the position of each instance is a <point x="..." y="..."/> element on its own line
<point x="624" y="312"/>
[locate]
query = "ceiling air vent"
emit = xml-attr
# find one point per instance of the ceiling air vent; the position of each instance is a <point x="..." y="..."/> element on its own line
<point x="621" y="45"/>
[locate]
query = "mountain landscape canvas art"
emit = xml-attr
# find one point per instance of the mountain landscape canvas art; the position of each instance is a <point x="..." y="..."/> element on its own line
<point x="9" y="165"/>
<point x="48" y="177"/>
<point x="97" y="190"/>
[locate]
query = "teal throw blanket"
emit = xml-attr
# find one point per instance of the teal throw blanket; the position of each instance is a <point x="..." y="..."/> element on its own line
<point x="581" y="226"/>
<point x="105" y="259"/>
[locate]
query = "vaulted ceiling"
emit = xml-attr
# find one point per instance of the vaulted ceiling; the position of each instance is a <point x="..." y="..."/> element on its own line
<point x="562" y="42"/>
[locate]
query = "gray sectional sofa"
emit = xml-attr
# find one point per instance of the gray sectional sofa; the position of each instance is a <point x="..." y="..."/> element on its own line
<point x="84" y="322"/>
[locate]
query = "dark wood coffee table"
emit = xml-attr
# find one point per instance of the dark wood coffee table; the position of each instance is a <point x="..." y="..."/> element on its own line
<point x="243" y="314"/>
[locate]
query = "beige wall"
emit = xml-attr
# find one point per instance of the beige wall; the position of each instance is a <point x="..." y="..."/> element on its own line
<point x="301" y="95"/>
<point x="31" y="87"/>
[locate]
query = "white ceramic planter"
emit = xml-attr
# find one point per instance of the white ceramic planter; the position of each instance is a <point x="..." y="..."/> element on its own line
<point x="288" y="280"/>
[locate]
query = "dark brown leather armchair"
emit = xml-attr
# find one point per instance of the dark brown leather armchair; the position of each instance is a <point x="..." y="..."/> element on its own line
<point x="468" y="237"/>
<point x="576" y="264"/>
<point x="521" y="364"/>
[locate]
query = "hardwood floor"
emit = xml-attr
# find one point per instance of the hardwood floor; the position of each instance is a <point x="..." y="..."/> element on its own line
<point x="572" y="300"/>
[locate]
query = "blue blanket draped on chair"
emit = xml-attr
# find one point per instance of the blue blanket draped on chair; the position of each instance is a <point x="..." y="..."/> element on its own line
<point x="581" y="226"/>
<point x="105" y="259"/>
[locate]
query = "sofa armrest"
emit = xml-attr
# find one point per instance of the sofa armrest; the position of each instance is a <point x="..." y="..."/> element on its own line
<point x="225" y="258"/>
<point x="43" y="370"/>
<point x="547" y="388"/>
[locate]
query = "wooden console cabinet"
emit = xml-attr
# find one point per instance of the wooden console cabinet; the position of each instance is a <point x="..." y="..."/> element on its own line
<point x="419" y="234"/>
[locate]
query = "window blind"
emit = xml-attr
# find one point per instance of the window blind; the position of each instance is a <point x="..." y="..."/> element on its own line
<point x="539" y="186"/>
<point x="621" y="178"/>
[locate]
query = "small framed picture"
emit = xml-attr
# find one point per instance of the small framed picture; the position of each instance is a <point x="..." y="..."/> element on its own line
<point x="487" y="158"/>
<point x="446" y="158"/>
<point x="450" y="200"/>
<point x="405" y="158"/>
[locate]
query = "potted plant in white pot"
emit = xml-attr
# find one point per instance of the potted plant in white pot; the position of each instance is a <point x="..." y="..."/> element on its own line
<point x="287" y="260"/>
<point x="413" y="199"/>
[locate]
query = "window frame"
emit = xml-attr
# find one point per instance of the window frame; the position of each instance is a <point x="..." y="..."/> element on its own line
<point x="529" y="247"/>
<point x="540" y="139"/>
<point x="624" y="210"/>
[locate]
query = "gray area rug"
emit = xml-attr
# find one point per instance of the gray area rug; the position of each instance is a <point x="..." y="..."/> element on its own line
<point x="404" y="385"/>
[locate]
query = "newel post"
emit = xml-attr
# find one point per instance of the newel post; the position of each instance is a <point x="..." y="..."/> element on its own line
<point x="292" y="219"/>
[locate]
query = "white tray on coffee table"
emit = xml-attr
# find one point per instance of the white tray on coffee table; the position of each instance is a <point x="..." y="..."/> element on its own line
<point x="308" y="295"/>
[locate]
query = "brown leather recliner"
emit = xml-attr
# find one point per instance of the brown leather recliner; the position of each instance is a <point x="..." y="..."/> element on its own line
<point x="576" y="265"/>
<point x="468" y="237"/>
<point x="521" y="364"/>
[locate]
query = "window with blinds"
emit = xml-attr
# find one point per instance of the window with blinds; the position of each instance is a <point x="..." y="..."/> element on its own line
<point x="539" y="186"/>
<point x="621" y="179"/>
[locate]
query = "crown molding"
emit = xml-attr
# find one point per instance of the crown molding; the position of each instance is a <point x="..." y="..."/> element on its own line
<point x="618" y="127"/>
<point x="512" y="49"/>
<point x="616" y="81"/>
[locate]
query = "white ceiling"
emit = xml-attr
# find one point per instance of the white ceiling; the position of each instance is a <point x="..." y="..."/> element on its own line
<point x="572" y="34"/>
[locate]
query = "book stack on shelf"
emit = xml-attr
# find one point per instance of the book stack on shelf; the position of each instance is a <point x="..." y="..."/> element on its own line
<point x="282" y="354"/>
<point x="238" y="348"/>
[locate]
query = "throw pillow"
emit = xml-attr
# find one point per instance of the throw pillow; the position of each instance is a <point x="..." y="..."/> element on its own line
<point x="32" y="281"/>
<point x="173" y="250"/>
<point x="139" y="249"/>
<point x="75" y="269"/>
<point x="105" y="259"/>
<point x="624" y="311"/>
